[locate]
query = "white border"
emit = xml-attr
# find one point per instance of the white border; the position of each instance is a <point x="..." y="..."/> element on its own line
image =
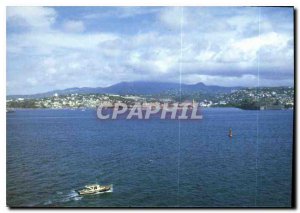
<point x="5" y="3"/>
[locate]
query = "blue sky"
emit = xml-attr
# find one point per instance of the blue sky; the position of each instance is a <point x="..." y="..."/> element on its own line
<point x="61" y="47"/>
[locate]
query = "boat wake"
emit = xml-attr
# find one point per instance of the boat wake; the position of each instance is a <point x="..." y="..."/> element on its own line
<point x="63" y="198"/>
<point x="71" y="196"/>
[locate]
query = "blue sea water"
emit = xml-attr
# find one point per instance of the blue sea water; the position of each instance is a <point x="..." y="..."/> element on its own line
<point x="151" y="163"/>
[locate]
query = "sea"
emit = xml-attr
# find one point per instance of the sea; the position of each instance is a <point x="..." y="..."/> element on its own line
<point x="151" y="163"/>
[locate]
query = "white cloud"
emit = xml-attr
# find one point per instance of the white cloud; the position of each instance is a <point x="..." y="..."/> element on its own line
<point x="121" y="12"/>
<point x="215" y="48"/>
<point x="38" y="18"/>
<point x="74" y="26"/>
<point x="171" y="17"/>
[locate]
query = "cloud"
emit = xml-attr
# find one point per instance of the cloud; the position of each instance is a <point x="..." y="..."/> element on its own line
<point x="35" y="18"/>
<point x="228" y="46"/>
<point x="74" y="26"/>
<point x="173" y="17"/>
<point x="120" y="12"/>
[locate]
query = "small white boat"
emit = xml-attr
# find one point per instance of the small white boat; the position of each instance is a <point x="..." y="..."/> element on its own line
<point x="94" y="189"/>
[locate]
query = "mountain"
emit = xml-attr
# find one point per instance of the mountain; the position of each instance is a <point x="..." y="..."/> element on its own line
<point x="137" y="88"/>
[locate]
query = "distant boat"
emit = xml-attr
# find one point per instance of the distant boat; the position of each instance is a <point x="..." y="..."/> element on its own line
<point x="94" y="189"/>
<point x="230" y="133"/>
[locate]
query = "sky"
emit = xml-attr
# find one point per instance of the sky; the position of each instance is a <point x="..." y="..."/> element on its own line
<point x="52" y="48"/>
